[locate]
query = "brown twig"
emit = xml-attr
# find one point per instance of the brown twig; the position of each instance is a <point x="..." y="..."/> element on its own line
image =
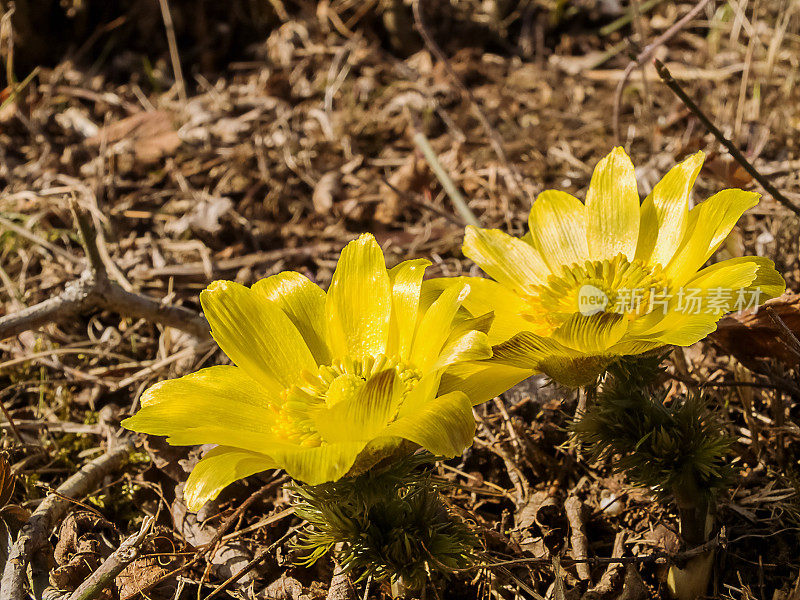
<point x="212" y="544"/>
<point x="261" y="555"/>
<point x="672" y="84"/>
<point x="101" y="578"/>
<point x="512" y="176"/>
<point x="95" y="290"/>
<point x="645" y="55"/>
<point x="33" y="536"/>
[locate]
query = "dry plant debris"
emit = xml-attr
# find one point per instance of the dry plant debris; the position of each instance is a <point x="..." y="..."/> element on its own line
<point x="296" y="134"/>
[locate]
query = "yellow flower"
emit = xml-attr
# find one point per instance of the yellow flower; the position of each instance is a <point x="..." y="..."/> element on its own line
<point x="592" y="281"/>
<point x="324" y="384"/>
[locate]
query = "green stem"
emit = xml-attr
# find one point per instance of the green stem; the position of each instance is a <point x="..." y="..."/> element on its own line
<point x="693" y="509"/>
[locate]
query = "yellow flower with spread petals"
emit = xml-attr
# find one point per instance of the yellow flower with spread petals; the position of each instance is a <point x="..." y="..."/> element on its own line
<point x="607" y="277"/>
<point x="324" y="384"/>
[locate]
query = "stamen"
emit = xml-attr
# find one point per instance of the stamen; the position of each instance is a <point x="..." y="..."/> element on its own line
<point x="624" y="287"/>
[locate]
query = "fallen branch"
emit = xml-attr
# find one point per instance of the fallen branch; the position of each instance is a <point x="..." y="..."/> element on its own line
<point x="94" y="290"/>
<point x="102" y="578"/>
<point x="672" y="84"/>
<point x="33" y="536"/>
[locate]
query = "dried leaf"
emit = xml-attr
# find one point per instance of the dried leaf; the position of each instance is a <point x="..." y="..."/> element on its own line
<point x="151" y="134"/>
<point x="6" y="481"/>
<point x="754" y="335"/>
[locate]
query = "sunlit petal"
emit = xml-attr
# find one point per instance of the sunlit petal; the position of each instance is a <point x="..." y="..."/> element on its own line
<point x="665" y="212"/>
<point x="220" y="467"/>
<point x="612" y="208"/>
<point x="359" y="303"/>
<point x="256" y="334"/>
<point x="558" y="229"/>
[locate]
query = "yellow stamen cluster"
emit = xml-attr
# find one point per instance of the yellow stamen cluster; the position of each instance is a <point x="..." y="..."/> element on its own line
<point x="613" y="286"/>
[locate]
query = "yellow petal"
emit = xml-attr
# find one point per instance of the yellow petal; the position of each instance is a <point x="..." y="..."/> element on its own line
<point x="464" y="323"/>
<point x="626" y="347"/>
<point x="504" y="258"/>
<point x="612" y="208"/>
<point x="435" y="327"/>
<point x="742" y="273"/>
<point x="767" y="280"/>
<point x="304" y="303"/>
<point x="218" y="405"/>
<point x="591" y="334"/>
<point x="359" y="302"/>
<point x="363" y="416"/>
<point x="558" y="229"/>
<point x="444" y="426"/>
<point x="256" y="335"/>
<point x="482" y="381"/>
<point x="328" y="462"/>
<point x="220" y="467"/>
<point x="578" y="371"/>
<point x="527" y="350"/>
<point x="665" y="212"/>
<point x="406" y="281"/>
<point x="683" y="329"/>
<point x="566" y="365"/>
<point x="709" y="224"/>
<point x="473" y="345"/>
<point x="694" y="309"/>
<point x="732" y="285"/>
<point x="486" y="296"/>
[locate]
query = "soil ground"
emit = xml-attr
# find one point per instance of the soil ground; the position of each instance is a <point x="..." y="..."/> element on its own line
<point x="290" y="130"/>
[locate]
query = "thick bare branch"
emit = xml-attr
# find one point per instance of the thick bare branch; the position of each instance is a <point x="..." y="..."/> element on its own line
<point x="94" y="290"/>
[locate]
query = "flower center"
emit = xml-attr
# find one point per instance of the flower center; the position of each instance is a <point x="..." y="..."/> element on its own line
<point x="612" y="286"/>
<point x="331" y="384"/>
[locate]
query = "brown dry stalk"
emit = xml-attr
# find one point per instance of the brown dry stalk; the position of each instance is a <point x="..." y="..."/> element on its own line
<point x="645" y="55"/>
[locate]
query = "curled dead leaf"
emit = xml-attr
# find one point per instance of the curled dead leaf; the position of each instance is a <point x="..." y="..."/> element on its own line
<point x="754" y="336"/>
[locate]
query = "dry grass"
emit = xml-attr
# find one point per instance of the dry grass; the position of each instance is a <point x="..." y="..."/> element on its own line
<point x="276" y="160"/>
